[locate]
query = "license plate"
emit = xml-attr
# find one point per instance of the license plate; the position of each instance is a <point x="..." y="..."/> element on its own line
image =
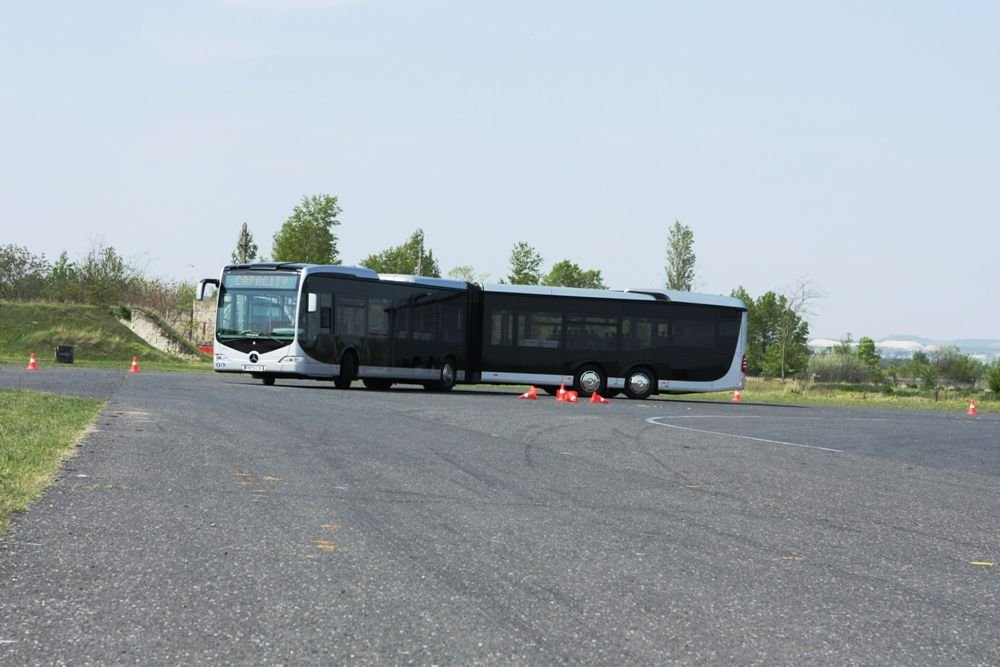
<point x="253" y="369"/>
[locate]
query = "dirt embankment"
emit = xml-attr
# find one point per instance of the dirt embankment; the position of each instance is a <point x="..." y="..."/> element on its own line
<point x="151" y="332"/>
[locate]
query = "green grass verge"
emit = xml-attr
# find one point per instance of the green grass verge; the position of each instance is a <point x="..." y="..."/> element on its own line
<point x="793" y="392"/>
<point x="97" y="337"/>
<point x="37" y="433"/>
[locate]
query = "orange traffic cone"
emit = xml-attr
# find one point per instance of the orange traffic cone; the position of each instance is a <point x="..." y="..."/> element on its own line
<point x="530" y="394"/>
<point x="972" y="407"/>
<point x="32" y="363"/>
<point x="135" y="365"/>
<point x="571" y="397"/>
<point x="561" y="393"/>
<point x="736" y="396"/>
<point x="597" y="398"/>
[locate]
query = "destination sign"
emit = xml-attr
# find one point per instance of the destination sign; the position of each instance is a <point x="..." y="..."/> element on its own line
<point x="257" y="280"/>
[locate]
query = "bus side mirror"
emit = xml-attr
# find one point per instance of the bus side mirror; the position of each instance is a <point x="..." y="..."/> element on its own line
<point x="202" y="284"/>
<point x="313" y="303"/>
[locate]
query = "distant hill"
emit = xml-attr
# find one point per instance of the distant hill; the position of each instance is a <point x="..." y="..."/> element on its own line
<point x="903" y="346"/>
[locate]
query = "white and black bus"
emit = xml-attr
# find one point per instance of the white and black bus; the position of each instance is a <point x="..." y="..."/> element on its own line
<point x="280" y="320"/>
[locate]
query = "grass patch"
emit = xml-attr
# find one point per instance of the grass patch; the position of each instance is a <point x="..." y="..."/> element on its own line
<point x="37" y="433"/>
<point x="97" y="337"/>
<point x="759" y="390"/>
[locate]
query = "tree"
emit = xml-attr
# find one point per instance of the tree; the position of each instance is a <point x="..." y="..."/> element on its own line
<point x="410" y="258"/>
<point x="680" y="258"/>
<point x="468" y="274"/>
<point x="957" y="367"/>
<point x="776" y="336"/>
<point x="307" y="236"/>
<point x="569" y="274"/>
<point x="62" y="283"/>
<point x="525" y="265"/>
<point x="246" y="249"/>
<point x="22" y="275"/>
<point x="920" y="367"/>
<point x="794" y="331"/>
<point x="870" y="357"/>
<point x="992" y="375"/>
<point x="868" y="353"/>
<point x="105" y="277"/>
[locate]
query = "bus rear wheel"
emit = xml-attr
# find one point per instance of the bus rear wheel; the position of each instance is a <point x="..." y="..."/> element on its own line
<point x="639" y="383"/>
<point x="348" y="371"/>
<point x="590" y="379"/>
<point x="447" y="379"/>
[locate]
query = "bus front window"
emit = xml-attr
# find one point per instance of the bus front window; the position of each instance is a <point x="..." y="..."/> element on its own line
<point x="248" y="310"/>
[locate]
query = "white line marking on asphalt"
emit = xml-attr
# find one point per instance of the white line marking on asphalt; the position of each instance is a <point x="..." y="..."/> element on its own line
<point x="816" y="419"/>
<point x="653" y="420"/>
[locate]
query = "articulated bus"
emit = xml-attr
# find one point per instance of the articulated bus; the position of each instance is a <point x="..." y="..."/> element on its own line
<point x="338" y="323"/>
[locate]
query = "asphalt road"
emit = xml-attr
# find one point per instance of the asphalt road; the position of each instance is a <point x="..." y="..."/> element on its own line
<point x="212" y="520"/>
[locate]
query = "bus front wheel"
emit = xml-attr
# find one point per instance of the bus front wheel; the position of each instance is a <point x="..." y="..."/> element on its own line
<point x="348" y="371"/>
<point x="268" y="380"/>
<point x="639" y="383"/>
<point x="590" y="379"/>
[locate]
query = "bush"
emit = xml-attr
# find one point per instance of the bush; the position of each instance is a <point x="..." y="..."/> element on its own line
<point x="957" y="367"/>
<point x="834" y="367"/>
<point x="992" y="376"/>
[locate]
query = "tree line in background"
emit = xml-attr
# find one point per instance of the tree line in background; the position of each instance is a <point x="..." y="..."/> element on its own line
<point x="777" y="331"/>
<point x="101" y="277"/>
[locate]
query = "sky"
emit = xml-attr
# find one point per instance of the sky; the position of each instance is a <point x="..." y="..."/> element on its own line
<point x="851" y="146"/>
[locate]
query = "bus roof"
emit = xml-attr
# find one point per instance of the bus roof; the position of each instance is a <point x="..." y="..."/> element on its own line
<point x="306" y="269"/>
<point x="577" y="292"/>
<point x="424" y="280"/>
<point x="650" y="294"/>
<point x="690" y="297"/>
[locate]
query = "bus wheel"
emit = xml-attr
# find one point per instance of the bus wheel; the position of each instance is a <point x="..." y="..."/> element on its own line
<point x="589" y="379"/>
<point x="448" y="374"/>
<point x="348" y="371"/>
<point x="639" y="383"/>
<point x="268" y="380"/>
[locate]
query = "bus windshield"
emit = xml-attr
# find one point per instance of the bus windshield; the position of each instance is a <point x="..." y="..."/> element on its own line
<point x="255" y="305"/>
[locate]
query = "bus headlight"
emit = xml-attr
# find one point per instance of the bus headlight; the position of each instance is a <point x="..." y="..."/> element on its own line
<point x="290" y="360"/>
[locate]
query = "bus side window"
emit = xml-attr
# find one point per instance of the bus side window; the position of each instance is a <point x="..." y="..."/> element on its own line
<point x="378" y="317"/>
<point x="502" y="328"/>
<point x="694" y="333"/>
<point x="536" y="329"/>
<point x="591" y="332"/>
<point x="399" y="320"/>
<point x="350" y="316"/>
<point x="325" y="313"/>
<point x="452" y="322"/>
<point x="729" y="331"/>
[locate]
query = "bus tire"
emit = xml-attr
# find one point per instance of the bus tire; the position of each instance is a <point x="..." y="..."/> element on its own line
<point x="639" y="383"/>
<point x="348" y="370"/>
<point x="589" y="379"/>
<point x="448" y="374"/>
<point x="268" y="380"/>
